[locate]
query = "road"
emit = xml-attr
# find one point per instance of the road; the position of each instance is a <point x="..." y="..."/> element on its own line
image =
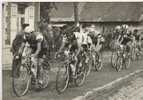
<point x="129" y="89"/>
<point x="94" y="80"/>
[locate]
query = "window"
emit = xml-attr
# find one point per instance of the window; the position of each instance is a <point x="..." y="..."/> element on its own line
<point x="21" y="9"/>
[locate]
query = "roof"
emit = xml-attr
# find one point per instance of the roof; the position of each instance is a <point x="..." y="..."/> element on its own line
<point x="64" y="12"/>
<point x="99" y="12"/>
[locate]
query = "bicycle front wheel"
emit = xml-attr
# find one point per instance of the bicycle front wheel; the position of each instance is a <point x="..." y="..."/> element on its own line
<point x="98" y="64"/>
<point x="119" y="64"/>
<point x="21" y="80"/>
<point x="113" y="59"/>
<point x="81" y="74"/>
<point x="127" y="62"/>
<point x="88" y="66"/>
<point x="62" y="78"/>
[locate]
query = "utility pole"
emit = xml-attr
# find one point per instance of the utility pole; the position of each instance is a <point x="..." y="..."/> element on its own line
<point x="76" y="13"/>
<point x="37" y="15"/>
<point x="8" y="23"/>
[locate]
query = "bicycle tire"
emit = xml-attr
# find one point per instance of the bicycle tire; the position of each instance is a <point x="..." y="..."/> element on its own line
<point x="58" y="89"/>
<point x="127" y="62"/>
<point x="81" y="74"/>
<point x="44" y="77"/>
<point x="14" y="81"/>
<point x="133" y="55"/>
<point x="112" y="58"/>
<point x="88" y="67"/>
<point x="98" y="65"/>
<point x="119" y="64"/>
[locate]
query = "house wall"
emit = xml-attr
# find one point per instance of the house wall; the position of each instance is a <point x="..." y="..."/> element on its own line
<point x="11" y="26"/>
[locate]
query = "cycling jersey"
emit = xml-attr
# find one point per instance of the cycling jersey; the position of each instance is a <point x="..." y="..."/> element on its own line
<point x="126" y="39"/>
<point x="34" y="39"/>
<point x="137" y="37"/>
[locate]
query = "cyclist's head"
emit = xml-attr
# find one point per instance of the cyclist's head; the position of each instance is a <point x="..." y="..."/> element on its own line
<point x="77" y="24"/>
<point x="27" y="31"/>
<point x="135" y="31"/>
<point x="92" y="28"/>
<point x="118" y="28"/>
<point x="125" y="27"/>
<point x="129" y="32"/>
<point x="77" y="29"/>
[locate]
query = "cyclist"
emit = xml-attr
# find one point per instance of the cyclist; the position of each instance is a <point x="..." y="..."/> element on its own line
<point x="86" y="42"/>
<point x="138" y="38"/>
<point x="71" y="43"/>
<point x="116" y="32"/>
<point x="17" y="41"/>
<point x="97" y="41"/>
<point x="125" y="39"/>
<point x="38" y="47"/>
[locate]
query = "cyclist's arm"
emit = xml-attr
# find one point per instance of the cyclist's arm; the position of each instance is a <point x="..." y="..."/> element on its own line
<point x="78" y="50"/>
<point x="21" y="48"/>
<point x="61" y="47"/>
<point x="140" y="38"/>
<point x="118" y="38"/>
<point x="39" y="38"/>
<point x="38" y="49"/>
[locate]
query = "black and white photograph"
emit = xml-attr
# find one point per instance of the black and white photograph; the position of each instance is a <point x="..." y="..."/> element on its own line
<point x="72" y="50"/>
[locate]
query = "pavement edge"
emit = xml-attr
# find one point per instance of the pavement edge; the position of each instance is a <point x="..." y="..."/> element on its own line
<point x="108" y="85"/>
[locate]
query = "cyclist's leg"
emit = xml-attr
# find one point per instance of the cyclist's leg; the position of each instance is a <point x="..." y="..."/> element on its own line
<point x="73" y="51"/>
<point x="128" y="48"/>
<point x="34" y="67"/>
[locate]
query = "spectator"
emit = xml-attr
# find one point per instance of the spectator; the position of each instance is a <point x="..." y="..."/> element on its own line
<point x="18" y="39"/>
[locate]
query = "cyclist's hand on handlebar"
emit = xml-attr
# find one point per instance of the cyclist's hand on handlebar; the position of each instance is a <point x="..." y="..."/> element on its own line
<point x="55" y="55"/>
<point x="17" y="57"/>
<point x="33" y="55"/>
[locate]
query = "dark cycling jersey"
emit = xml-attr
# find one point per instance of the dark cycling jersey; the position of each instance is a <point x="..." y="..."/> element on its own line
<point x="34" y="39"/>
<point x="137" y="37"/>
<point x="126" y="39"/>
<point x="17" y="42"/>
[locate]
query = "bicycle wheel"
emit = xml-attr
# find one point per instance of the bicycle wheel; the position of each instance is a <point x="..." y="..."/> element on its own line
<point x="81" y="74"/>
<point x="98" y="64"/>
<point x="127" y="61"/>
<point x="21" y="80"/>
<point x="119" y="64"/>
<point x="62" y="78"/>
<point x="44" y="78"/>
<point x="133" y="54"/>
<point x="88" y="67"/>
<point x="113" y="59"/>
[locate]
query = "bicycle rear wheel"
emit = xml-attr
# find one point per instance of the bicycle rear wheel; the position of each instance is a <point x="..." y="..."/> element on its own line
<point x="62" y="78"/>
<point x="21" y="80"/>
<point x="44" y="78"/>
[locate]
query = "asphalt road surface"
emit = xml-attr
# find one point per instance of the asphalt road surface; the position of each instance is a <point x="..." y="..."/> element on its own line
<point x="94" y="80"/>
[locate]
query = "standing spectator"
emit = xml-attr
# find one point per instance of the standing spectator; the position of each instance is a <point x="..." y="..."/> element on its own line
<point x="18" y="39"/>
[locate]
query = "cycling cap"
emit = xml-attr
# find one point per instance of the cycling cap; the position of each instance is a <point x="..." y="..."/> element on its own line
<point x="28" y="29"/>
